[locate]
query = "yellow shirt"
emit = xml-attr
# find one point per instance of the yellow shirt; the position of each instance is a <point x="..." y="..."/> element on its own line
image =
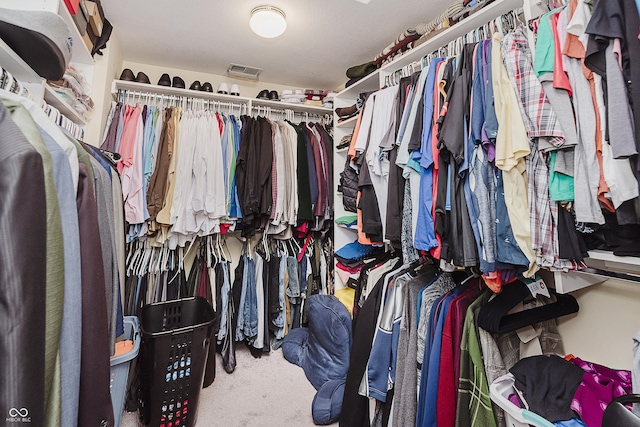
<point x="512" y="146"/>
<point x="164" y="215"/>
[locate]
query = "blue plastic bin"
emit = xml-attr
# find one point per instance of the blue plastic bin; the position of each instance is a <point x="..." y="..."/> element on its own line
<point x="120" y="368"/>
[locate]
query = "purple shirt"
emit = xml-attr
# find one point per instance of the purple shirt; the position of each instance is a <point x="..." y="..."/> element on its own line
<point x="600" y="385"/>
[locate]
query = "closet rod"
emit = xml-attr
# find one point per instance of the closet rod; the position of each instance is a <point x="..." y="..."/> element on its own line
<point x="285" y="111"/>
<point x="152" y="95"/>
<point x="124" y="94"/>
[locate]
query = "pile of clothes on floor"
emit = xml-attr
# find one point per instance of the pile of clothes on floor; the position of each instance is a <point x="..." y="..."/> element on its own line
<point x="568" y="390"/>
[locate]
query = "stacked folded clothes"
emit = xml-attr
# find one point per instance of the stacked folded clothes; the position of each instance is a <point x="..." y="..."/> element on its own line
<point x="400" y="45"/>
<point x="73" y="88"/>
<point x="348" y="220"/>
<point x="293" y="96"/>
<point x="414" y="37"/>
<point x="353" y="252"/>
<point x="327" y="102"/>
<point x="350" y="259"/>
<point x="470" y="7"/>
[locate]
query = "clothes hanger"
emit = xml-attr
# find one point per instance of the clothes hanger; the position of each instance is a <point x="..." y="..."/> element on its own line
<point x="494" y="317"/>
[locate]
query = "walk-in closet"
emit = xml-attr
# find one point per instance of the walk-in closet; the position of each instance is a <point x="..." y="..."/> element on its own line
<point x="295" y="213"/>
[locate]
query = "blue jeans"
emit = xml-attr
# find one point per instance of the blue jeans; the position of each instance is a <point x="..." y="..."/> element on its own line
<point x="224" y="313"/>
<point x="248" y="316"/>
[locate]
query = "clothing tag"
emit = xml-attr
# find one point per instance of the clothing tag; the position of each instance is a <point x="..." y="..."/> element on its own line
<point x="532" y="348"/>
<point x="529" y="342"/>
<point x="527" y="333"/>
<point x="537" y="287"/>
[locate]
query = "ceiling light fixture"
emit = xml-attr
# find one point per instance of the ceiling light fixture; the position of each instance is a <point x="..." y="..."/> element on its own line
<point x="268" y="21"/>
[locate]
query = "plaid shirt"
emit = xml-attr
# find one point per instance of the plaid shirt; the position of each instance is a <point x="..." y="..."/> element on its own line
<point x="540" y="120"/>
<point x="539" y="117"/>
<point x="474" y="407"/>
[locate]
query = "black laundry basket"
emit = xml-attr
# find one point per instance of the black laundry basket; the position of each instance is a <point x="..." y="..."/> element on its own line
<point x="173" y="356"/>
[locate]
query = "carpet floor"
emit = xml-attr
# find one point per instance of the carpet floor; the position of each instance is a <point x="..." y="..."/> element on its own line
<point x="260" y="393"/>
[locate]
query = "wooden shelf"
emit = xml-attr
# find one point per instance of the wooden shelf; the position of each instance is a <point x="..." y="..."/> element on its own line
<point x="172" y="91"/>
<point x="486" y="14"/>
<point x="349" y="123"/>
<point x="366" y="84"/>
<point x="279" y="105"/>
<point x="20" y="70"/>
<point x="348" y="227"/>
<point x="80" y="54"/>
<point x="55" y="100"/>
<point x="217" y="97"/>
<point x="603" y="265"/>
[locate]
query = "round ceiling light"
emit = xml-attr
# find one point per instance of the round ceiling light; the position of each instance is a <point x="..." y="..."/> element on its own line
<point x="268" y="21"/>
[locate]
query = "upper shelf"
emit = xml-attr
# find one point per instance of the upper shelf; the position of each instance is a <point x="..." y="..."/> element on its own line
<point x="301" y="108"/>
<point x="478" y="19"/>
<point x="368" y="83"/>
<point x="603" y="265"/>
<point x="80" y="54"/>
<point x="218" y="97"/>
<point x="374" y="80"/>
<point x="57" y="101"/>
<point x="349" y="123"/>
<point x="14" y="64"/>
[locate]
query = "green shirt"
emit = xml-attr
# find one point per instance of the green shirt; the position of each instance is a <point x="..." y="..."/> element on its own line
<point x="54" y="265"/>
<point x="474" y="403"/>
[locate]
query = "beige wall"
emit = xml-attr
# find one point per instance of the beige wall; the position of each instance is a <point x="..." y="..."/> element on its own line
<point x="248" y="88"/>
<point x="603" y="329"/>
<point x="107" y="67"/>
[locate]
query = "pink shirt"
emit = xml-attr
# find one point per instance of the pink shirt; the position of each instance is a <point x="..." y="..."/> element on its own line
<point x="130" y="166"/>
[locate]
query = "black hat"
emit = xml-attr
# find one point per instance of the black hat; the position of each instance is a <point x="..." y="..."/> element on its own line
<point x="178" y="82"/>
<point x="40" y="38"/>
<point x="127" y="75"/>
<point x="142" y="78"/>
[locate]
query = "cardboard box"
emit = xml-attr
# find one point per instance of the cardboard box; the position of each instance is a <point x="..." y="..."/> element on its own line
<point x="72" y="5"/>
<point x="94" y="18"/>
<point x="81" y="21"/>
<point x="86" y="38"/>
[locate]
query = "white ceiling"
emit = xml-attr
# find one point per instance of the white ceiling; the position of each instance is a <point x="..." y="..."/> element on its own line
<point x="323" y="37"/>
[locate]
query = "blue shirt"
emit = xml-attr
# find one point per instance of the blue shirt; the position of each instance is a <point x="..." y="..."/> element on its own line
<point x="426" y="155"/>
<point x="422" y="391"/>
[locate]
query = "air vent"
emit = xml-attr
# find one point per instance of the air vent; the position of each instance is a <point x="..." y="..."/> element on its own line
<point x="243" y="72"/>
